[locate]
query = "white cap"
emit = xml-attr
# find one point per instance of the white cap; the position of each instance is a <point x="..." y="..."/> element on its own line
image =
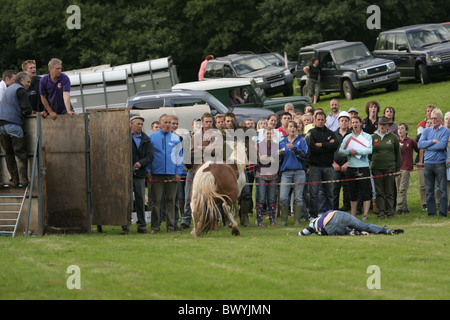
<point x="344" y="114"/>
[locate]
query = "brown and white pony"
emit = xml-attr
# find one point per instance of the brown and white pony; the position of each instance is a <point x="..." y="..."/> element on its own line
<point x="218" y="184"/>
<point x="214" y="184"/>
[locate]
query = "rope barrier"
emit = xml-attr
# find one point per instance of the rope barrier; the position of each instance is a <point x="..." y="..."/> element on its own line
<point x="310" y="182"/>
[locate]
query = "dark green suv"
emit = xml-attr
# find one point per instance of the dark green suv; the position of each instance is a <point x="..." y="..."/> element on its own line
<point x="348" y="68"/>
<point x="419" y="51"/>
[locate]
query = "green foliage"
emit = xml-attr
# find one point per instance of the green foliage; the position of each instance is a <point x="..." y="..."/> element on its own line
<point x="120" y="31"/>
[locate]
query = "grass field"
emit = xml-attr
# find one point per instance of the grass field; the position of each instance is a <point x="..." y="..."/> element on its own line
<point x="270" y="263"/>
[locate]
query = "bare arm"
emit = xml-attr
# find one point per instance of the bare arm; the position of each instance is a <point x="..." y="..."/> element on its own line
<point x="47" y="107"/>
<point x="66" y="97"/>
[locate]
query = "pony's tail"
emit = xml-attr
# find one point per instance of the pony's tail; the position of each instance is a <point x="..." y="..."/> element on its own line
<point x="206" y="213"/>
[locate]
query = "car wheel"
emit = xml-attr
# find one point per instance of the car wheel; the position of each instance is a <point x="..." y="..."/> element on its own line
<point x="424" y="75"/>
<point x="289" y="91"/>
<point x="349" y="90"/>
<point x="392" y="87"/>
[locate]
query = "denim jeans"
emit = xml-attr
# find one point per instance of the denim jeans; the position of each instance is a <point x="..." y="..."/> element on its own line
<point x="320" y="174"/>
<point x="13" y="130"/>
<point x="342" y="223"/>
<point x="436" y="172"/>
<point x="292" y="176"/>
<point x="266" y="194"/>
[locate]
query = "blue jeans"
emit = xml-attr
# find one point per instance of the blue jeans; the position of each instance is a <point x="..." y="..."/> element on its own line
<point x="342" y="223"/>
<point x="320" y="174"/>
<point x="292" y="176"/>
<point x="436" y="172"/>
<point x="266" y="193"/>
<point x="12" y="130"/>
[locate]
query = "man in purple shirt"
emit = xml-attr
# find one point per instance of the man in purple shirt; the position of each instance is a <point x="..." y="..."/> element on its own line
<point x="55" y="90"/>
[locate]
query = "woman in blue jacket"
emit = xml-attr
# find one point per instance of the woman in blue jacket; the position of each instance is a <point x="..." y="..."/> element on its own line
<point x="293" y="155"/>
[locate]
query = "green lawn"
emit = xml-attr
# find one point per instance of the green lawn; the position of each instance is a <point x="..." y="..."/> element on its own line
<point x="270" y="263"/>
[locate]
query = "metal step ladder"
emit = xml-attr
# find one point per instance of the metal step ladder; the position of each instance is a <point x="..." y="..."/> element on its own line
<point x="10" y="228"/>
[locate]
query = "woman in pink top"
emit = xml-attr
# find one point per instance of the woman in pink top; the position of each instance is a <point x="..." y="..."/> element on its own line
<point x="201" y="72"/>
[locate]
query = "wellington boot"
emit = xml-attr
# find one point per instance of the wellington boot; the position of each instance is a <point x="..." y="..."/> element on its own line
<point x="259" y="215"/>
<point x="271" y="213"/>
<point x="297" y="215"/>
<point x="284" y="212"/>
<point x="245" y="205"/>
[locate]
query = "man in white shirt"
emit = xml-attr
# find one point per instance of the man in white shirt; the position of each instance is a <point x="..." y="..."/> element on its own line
<point x="332" y="119"/>
<point x="9" y="77"/>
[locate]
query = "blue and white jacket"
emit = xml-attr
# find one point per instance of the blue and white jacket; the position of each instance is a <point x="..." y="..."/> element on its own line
<point x="168" y="153"/>
<point x="295" y="158"/>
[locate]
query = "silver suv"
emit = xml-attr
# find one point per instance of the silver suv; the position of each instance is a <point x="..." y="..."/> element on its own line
<point x="272" y="79"/>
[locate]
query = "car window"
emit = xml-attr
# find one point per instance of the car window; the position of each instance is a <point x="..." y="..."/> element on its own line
<point x="152" y="104"/>
<point x="271" y="58"/>
<point x="183" y="102"/>
<point x="274" y="58"/>
<point x="209" y="71"/>
<point x="246" y="94"/>
<point x="419" y="38"/>
<point x="248" y="65"/>
<point x="400" y="41"/>
<point x="390" y="40"/>
<point x="227" y="71"/>
<point x="325" y="58"/>
<point x="381" y="42"/>
<point x="353" y="52"/>
<point x="305" y="58"/>
<point x="218" y="71"/>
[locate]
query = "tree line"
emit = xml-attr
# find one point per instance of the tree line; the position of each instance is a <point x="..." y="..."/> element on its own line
<point x="124" y="31"/>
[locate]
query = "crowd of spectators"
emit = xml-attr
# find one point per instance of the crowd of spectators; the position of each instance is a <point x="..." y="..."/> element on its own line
<point x="304" y="160"/>
<point x="303" y="167"/>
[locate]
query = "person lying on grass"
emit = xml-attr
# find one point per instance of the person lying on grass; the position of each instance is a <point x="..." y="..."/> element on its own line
<point x="334" y="222"/>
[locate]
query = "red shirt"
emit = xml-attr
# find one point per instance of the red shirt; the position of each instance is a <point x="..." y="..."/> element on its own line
<point x="407" y="146"/>
<point x="280" y="129"/>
